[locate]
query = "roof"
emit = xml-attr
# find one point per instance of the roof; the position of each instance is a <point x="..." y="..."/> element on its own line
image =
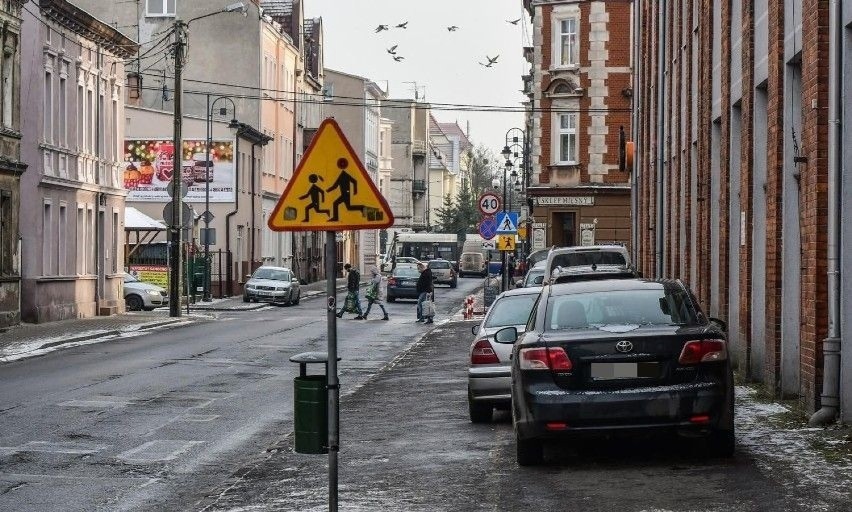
<point x="134" y="220"/>
<point x="520" y="291"/>
<point x="83" y="23"/>
<point x="605" y="285"/>
<point x="453" y="129"/>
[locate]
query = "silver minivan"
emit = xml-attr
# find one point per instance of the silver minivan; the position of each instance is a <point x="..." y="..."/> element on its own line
<point x="472" y="263"/>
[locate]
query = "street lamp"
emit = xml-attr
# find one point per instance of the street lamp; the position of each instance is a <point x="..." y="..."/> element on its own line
<point x="234" y="124"/>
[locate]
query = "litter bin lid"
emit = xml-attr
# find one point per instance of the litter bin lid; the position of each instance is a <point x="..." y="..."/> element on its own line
<point x="311" y="357"/>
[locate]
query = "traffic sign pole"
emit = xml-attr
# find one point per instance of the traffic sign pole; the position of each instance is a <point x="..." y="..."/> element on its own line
<point x="331" y="378"/>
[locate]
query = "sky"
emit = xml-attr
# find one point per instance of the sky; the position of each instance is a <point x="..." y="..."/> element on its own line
<point x="443" y="64"/>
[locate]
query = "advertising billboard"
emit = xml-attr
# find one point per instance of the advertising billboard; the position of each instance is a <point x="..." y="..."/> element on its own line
<point x="149" y="166"/>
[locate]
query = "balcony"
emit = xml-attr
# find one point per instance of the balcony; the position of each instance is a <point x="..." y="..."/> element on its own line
<point x="418" y="148"/>
<point x="418" y="187"/>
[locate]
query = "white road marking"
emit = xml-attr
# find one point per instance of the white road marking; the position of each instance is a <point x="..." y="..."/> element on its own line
<point x="156" y="451"/>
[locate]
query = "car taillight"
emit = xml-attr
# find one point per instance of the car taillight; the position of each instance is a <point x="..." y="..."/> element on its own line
<point x="483" y="353"/>
<point x="551" y="358"/>
<point x="703" y="351"/>
<point x="392" y="281"/>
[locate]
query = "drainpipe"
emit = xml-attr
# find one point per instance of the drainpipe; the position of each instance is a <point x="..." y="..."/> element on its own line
<point x="830" y="398"/>
<point x="661" y="138"/>
<point x="231" y="214"/>
<point x="253" y="193"/>
<point x="98" y="196"/>
<point x="634" y="183"/>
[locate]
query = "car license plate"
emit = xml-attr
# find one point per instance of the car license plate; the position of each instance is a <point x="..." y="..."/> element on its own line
<point x="613" y="371"/>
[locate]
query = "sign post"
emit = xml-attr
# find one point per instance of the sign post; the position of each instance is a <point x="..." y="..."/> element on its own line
<point x="331" y="191"/>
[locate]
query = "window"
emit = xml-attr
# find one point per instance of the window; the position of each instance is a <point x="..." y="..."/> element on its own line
<point x="567" y="138"/>
<point x="8" y="82"/>
<point x="48" y="106"/>
<point x="6" y="233"/>
<point x="81" y="117"/>
<point x="82" y="235"/>
<point x="161" y="7"/>
<point x="47" y="240"/>
<point x="62" y="138"/>
<point x="114" y="254"/>
<point x="62" y="240"/>
<point x="568" y="42"/>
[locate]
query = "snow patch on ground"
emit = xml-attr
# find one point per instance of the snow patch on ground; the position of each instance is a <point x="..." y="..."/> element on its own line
<point x="779" y="444"/>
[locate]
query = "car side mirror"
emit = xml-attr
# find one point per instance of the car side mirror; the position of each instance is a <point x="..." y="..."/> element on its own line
<point x="506" y="335"/>
<point x="519" y="285"/>
<point x="474" y="329"/>
<point x="721" y="324"/>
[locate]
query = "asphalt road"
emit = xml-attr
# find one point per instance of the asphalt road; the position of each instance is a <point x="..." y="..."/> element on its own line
<point x="407" y="445"/>
<point x="156" y="422"/>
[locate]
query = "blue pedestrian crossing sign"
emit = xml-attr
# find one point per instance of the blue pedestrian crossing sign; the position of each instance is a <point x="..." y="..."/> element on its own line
<point x="507" y="223"/>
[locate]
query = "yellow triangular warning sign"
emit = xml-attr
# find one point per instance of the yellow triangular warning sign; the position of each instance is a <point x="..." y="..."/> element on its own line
<point x="330" y="190"/>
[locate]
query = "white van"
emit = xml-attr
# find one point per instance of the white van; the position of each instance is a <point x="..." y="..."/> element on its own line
<point x="472" y="263"/>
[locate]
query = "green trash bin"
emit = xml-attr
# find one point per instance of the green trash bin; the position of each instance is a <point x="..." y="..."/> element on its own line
<point x="310" y="407"/>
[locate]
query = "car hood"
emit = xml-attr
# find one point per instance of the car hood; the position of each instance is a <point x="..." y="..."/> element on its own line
<point x="139" y="286"/>
<point x="267" y="282"/>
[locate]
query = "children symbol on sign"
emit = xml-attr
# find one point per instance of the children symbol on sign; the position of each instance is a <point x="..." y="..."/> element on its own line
<point x="348" y="187"/>
<point x="317" y="197"/>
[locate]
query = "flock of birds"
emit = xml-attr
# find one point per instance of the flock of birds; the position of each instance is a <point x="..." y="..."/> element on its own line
<point x="451" y="28"/>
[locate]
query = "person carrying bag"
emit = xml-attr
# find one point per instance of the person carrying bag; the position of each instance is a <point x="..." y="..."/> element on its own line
<point x="425" y="290"/>
<point x="374" y="293"/>
<point x="352" y="304"/>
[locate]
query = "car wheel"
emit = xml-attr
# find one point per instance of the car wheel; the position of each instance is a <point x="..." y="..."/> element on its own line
<point x="529" y="452"/>
<point x="134" y="302"/>
<point x="721" y="443"/>
<point x="479" y="413"/>
<point x="246" y="298"/>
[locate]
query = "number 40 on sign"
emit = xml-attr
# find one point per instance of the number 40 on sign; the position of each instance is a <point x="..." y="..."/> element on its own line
<point x="489" y="203"/>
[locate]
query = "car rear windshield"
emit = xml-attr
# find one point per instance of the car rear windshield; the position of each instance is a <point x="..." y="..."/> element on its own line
<point x="439" y="264"/>
<point x="584" y="259"/>
<point x="655" y="306"/>
<point x="406" y="272"/>
<point x="512" y="310"/>
<point x="273" y="274"/>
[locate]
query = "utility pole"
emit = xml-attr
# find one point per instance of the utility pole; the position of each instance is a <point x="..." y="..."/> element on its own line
<point x="176" y="227"/>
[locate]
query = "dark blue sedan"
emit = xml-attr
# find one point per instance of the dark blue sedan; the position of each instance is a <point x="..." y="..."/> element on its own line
<point x="402" y="284"/>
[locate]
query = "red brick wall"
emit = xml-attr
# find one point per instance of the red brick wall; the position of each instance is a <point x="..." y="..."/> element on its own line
<point x="774" y="173"/>
<point x="746" y="173"/>
<point x="814" y="197"/>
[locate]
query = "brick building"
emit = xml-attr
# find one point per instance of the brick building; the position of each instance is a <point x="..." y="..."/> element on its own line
<point x="732" y="174"/>
<point x="580" y="97"/>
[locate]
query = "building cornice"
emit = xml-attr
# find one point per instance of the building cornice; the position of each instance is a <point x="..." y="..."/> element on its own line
<point x="83" y="23"/>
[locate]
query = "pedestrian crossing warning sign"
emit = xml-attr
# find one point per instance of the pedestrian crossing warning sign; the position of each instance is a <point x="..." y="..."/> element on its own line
<point x="506" y="242"/>
<point x="330" y="190"/>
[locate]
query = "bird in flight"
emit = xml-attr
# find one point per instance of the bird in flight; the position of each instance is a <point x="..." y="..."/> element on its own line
<point x="452" y="28"/>
<point x="492" y="61"/>
<point x="398" y="58"/>
<point x="392" y="49"/>
<point x="486" y="65"/>
<point x="402" y="25"/>
<point x="513" y="22"/>
<point x="380" y="28"/>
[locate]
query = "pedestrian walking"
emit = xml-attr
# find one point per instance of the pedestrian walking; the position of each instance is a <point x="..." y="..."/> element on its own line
<point x="425" y="289"/>
<point x="374" y="293"/>
<point x="352" y="304"/>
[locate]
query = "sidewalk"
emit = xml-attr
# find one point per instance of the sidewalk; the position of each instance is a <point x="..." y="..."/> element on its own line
<point x="236" y="303"/>
<point x="27" y="340"/>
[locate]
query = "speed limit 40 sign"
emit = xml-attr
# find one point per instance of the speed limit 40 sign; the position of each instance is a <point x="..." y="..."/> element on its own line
<point x="489" y="203"/>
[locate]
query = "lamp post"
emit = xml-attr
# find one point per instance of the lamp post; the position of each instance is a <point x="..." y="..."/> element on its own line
<point x="516" y="149"/>
<point x="207" y="216"/>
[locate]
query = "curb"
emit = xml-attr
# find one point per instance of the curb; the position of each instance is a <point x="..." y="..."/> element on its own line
<point x="110" y="332"/>
<point x="259" y="305"/>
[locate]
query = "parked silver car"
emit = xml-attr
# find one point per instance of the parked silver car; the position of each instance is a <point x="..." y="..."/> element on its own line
<point x="489" y="378"/>
<point x="443" y="273"/>
<point x="586" y="260"/>
<point x="534" y="277"/>
<point x="139" y="295"/>
<point x="277" y="285"/>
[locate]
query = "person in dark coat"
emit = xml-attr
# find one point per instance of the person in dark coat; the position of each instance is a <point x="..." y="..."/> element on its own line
<point x="353" y="282"/>
<point x="425" y="286"/>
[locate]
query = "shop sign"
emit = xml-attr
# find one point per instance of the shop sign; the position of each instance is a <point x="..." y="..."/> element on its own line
<point x="538" y="239"/>
<point x="565" y="201"/>
<point x="587" y="234"/>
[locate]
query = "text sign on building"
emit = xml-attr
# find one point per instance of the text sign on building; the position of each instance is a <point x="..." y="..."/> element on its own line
<point x="538" y="239"/>
<point x="330" y="190"/>
<point x="565" y="201"/>
<point x="587" y="234"/>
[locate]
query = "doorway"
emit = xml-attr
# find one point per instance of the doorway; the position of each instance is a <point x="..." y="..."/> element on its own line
<point x="564" y="230"/>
